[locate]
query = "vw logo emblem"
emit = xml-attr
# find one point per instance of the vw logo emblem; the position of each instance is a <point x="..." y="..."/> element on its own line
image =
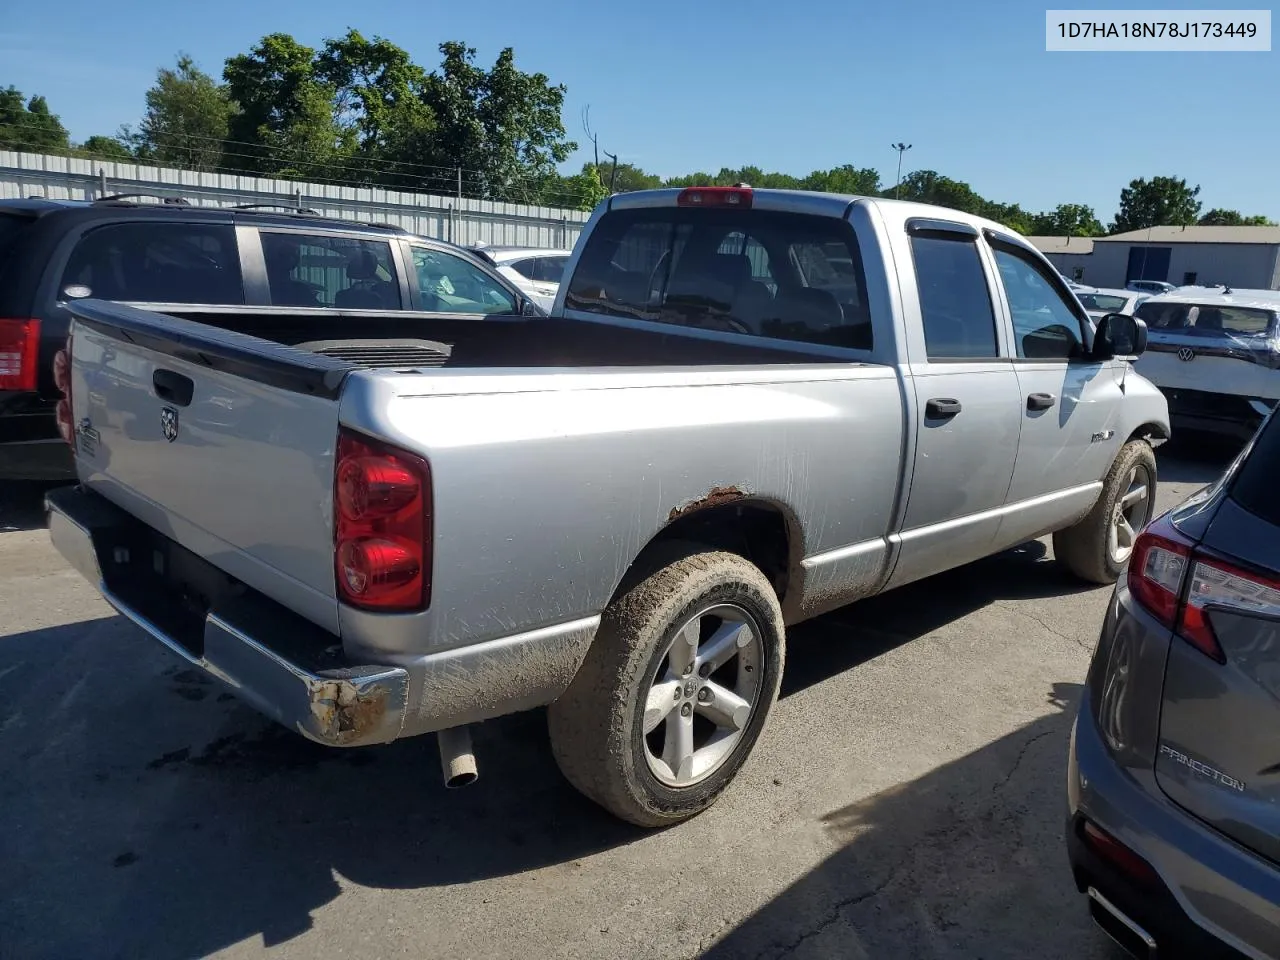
<point x="169" y="423"/>
<point x="1186" y="353"/>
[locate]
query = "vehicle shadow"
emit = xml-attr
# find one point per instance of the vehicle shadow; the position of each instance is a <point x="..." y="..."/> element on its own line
<point x="179" y="822"/>
<point x="22" y="504"/>
<point x="965" y="861"/>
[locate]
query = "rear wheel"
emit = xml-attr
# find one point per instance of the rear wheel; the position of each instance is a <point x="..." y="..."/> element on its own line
<point x="674" y="691"/>
<point x="1097" y="548"/>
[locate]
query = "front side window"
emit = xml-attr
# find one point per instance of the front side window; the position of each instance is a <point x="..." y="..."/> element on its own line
<point x="787" y="276"/>
<point x="449" y="284"/>
<point x="306" y="270"/>
<point x="551" y="269"/>
<point x="955" y="302"/>
<point x="1045" y="325"/>
<point x="149" y="262"/>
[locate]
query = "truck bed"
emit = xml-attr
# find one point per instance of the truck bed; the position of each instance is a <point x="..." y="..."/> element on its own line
<point x="470" y="341"/>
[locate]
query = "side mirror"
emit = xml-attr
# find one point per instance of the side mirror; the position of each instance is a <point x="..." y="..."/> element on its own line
<point x="530" y="309"/>
<point x="1119" y="335"/>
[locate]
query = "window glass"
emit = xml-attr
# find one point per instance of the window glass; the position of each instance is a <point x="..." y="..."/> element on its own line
<point x="305" y="270"/>
<point x="1255" y="485"/>
<point x="955" y="303"/>
<point x="788" y="276"/>
<point x="527" y="268"/>
<point x="1045" y="325"/>
<point x="148" y="262"/>
<point x="450" y="284"/>
<point x="1103" y="302"/>
<point x="1206" y="320"/>
<point x="551" y="269"/>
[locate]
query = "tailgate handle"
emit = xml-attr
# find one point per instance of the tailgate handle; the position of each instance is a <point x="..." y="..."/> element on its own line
<point x="173" y="387"/>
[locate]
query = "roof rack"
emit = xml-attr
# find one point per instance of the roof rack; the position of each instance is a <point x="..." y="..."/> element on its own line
<point x="172" y="201"/>
<point x="306" y="211"/>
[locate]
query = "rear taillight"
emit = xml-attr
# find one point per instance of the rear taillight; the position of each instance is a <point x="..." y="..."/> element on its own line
<point x="19" y="354"/>
<point x="382" y="525"/>
<point x="715" y="197"/>
<point x="1217" y="584"/>
<point x="1116" y="853"/>
<point x="62" y="380"/>
<point x="1179" y="586"/>
<point x="1157" y="569"/>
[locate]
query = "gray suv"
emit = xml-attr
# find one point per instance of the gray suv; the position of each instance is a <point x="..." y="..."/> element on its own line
<point x="1174" y="772"/>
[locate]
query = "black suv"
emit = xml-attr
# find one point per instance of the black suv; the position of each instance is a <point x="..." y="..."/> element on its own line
<point x="169" y="255"/>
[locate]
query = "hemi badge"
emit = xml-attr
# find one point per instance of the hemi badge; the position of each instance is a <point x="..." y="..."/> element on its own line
<point x="1103" y="436"/>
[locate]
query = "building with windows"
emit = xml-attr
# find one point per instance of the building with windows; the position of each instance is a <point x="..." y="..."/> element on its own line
<point x="1244" y="257"/>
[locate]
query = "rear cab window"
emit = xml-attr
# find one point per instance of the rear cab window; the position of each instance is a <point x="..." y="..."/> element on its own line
<point x="153" y="262"/>
<point x="762" y="273"/>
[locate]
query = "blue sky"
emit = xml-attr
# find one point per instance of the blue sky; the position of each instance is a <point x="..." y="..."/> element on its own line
<point x="677" y="87"/>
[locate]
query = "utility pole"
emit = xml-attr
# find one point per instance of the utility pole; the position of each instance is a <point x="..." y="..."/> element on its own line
<point x="901" y="148"/>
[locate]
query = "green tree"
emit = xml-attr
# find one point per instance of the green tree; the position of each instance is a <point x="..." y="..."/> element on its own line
<point x="501" y="125"/>
<point x="28" y="125"/>
<point x="379" y="99"/>
<point x="1067" y="220"/>
<point x="1160" y="201"/>
<point x="582" y="191"/>
<point x="1218" y="217"/>
<point x="847" y="179"/>
<point x="929" y="186"/>
<point x="286" y="123"/>
<point x="105" y="148"/>
<point x="186" y="120"/>
<point x="626" y="177"/>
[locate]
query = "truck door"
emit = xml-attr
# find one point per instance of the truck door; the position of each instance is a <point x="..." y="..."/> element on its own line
<point x="1069" y="404"/>
<point x="967" y="404"/>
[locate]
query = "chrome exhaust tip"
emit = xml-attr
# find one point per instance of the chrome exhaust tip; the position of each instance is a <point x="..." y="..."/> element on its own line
<point x="1116" y="924"/>
<point x="457" y="761"/>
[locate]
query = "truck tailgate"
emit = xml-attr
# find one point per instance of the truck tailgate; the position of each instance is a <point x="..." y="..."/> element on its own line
<point x="222" y="442"/>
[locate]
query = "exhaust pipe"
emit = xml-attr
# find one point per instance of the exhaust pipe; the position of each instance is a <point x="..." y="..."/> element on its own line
<point x="456" y="759"/>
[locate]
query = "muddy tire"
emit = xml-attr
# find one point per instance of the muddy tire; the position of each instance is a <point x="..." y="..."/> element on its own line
<point x="1097" y="548"/>
<point x="675" y="690"/>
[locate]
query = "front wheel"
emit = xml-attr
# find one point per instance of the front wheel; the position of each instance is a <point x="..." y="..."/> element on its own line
<point x="675" y="689"/>
<point x="1097" y="548"/>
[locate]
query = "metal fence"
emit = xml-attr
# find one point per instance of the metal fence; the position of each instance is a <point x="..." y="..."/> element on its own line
<point x="459" y="219"/>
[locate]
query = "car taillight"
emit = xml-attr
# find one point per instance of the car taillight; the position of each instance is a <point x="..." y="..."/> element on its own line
<point x="1157" y="569"/>
<point x="1179" y="586"/>
<point x="715" y="197"/>
<point x="19" y="354"/>
<point x="1217" y="584"/>
<point x="62" y="380"/>
<point x="382" y="525"/>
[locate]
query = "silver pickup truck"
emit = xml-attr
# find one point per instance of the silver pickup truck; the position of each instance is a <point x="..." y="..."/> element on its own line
<point x="747" y="408"/>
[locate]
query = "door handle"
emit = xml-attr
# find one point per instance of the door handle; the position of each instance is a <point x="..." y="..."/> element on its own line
<point x="940" y="409"/>
<point x="1041" y="401"/>
<point x="173" y="387"/>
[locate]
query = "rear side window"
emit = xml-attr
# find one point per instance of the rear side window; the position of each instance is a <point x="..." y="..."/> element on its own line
<point x="787" y="276"/>
<point x="11" y="227"/>
<point x="1255" y="485"/>
<point x="149" y="262"/>
<point x="955" y="302"/>
<point x="550" y="269"/>
<point x="345" y="273"/>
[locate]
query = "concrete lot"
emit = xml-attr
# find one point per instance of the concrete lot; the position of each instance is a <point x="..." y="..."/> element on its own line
<point x="906" y="799"/>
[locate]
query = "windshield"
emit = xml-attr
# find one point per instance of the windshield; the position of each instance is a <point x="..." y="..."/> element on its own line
<point x="1106" y="303"/>
<point x="1205" y="319"/>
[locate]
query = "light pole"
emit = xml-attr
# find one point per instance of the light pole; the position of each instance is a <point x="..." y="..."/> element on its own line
<point x="901" y="148"/>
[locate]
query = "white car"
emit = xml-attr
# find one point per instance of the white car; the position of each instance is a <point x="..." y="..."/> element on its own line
<point x="536" y="272"/>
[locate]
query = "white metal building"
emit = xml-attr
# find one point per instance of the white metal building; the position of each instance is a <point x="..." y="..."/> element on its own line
<point x="1244" y="257"/>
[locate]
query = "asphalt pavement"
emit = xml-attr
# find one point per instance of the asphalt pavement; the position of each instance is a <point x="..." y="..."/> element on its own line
<point x="907" y="798"/>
